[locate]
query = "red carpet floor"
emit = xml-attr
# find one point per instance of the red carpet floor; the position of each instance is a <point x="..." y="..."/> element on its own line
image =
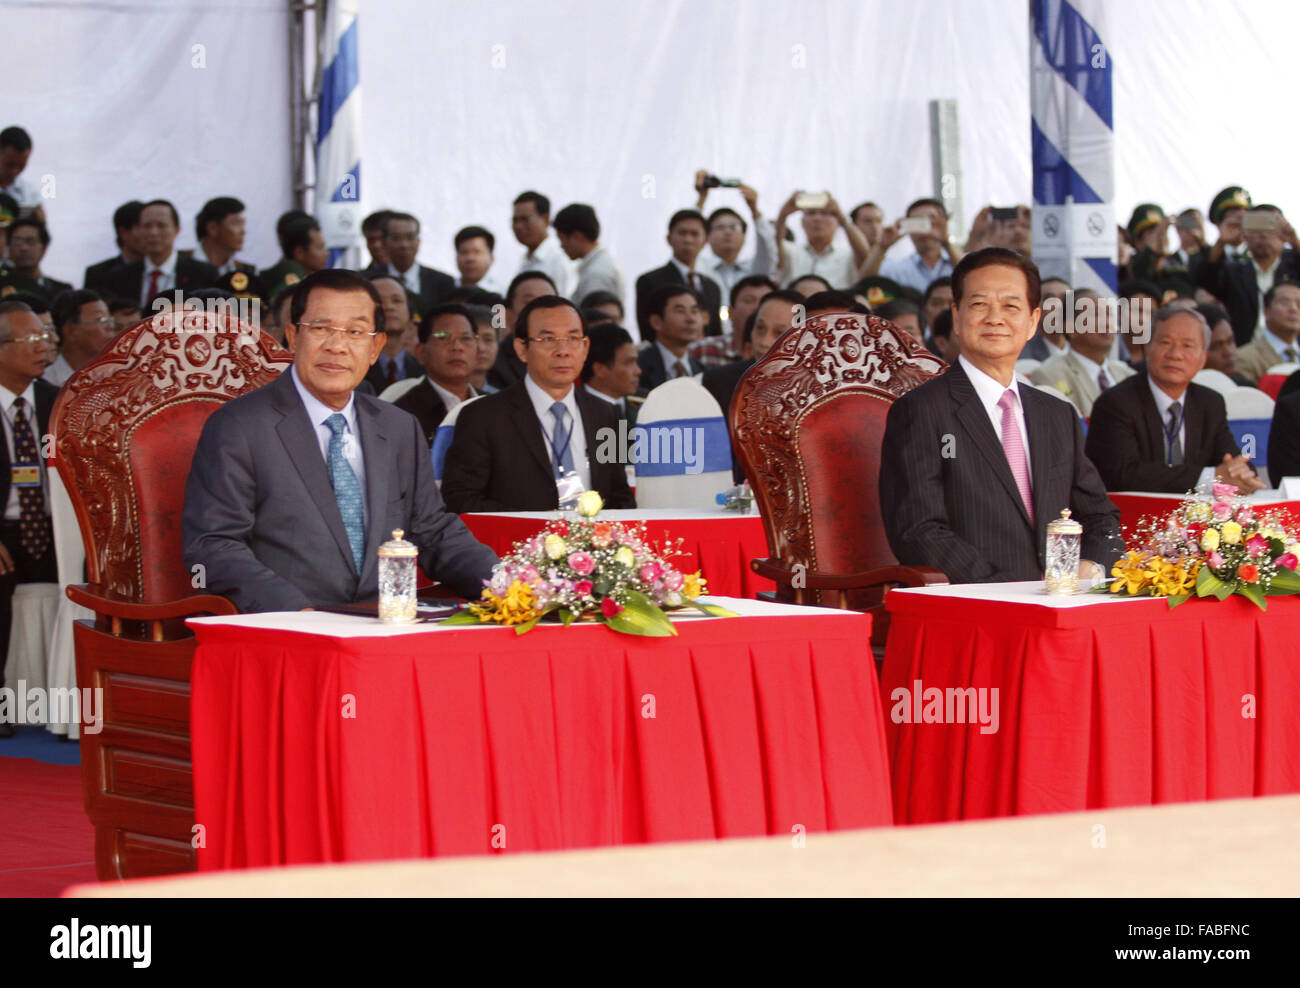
<point x="47" y="843"/>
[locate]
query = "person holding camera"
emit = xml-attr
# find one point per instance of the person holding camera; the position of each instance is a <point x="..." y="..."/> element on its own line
<point x="726" y="230"/>
<point x="927" y="224"/>
<point x="820" y="255"/>
<point x="1240" y="283"/>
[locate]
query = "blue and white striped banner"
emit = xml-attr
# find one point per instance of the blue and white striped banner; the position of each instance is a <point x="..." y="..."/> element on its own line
<point x="1073" y="143"/>
<point x="338" y="134"/>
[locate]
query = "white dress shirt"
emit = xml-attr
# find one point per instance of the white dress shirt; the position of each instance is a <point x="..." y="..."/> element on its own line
<point x="58" y="372"/>
<point x="25" y="193"/>
<point x="549" y="258"/>
<point x="1263" y="282"/>
<point x="7" y="399"/>
<point x="597" y="272"/>
<point x="166" y="277"/>
<point x="449" y="400"/>
<point x="318" y="412"/>
<point x="487" y="283"/>
<point x="620" y="404"/>
<point x="411" y="279"/>
<point x="1280" y="345"/>
<point x="763" y="261"/>
<point x="542" y="403"/>
<point x="1163" y="403"/>
<point x="836" y="264"/>
<point x="990" y="392"/>
<point x="669" y="358"/>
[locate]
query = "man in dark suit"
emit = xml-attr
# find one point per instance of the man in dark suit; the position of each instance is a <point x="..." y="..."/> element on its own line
<point x="28" y="241"/>
<point x="1157" y="431"/>
<point x="507" y="368"/>
<point x="1284" y="438"/>
<point x="220" y="227"/>
<point x="294" y="486"/>
<point x="160" y="269"/>
<point x="402" y="241"/>
<point x="974" y="466"/>
<point x="394" y="363"/>
<point x="448" y="349"/>
<point x="126" y="228"/>
<point x="611" y="371"/>
<point x="1234" y="281"/>
<point x="374" y="227"/>
<point x="774" y="315"/>
<point x="687" y="232"/>
<point x="26" y="536"/>
<point x="521" y="448"/>
<point x="676" y="318"/>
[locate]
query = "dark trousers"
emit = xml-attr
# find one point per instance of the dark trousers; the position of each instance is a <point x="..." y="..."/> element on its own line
<point x="26" y="570"/>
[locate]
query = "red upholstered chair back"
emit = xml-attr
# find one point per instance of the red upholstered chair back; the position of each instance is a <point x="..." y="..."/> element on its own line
<point x="808" y="420"/>
<point x="125" y="428"/>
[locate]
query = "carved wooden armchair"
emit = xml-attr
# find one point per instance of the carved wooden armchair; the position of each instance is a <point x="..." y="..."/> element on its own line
<point x="808" y="420"/>
<point x="125" y="428"/>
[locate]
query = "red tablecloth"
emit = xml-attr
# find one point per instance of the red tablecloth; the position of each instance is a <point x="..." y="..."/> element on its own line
<point x="1133" y="507"/>
<point x="309" y="748"/>
<point x="721" y="546"/>
<point x="1113" y="704"/>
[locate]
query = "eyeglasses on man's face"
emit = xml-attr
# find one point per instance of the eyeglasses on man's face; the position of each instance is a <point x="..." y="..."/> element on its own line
<point x="548" y="342"/>
<point x="444" y="338"/>
<point x="45" y="339"/>
<point x="319" y="332"/>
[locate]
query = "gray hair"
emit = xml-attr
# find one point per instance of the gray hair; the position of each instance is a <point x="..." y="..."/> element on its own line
<point x="1167" y="312"/>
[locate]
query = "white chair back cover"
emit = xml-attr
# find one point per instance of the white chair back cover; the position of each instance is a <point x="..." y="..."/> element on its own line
<point x="681" y="448"/>
<point x="1217" y="380"/>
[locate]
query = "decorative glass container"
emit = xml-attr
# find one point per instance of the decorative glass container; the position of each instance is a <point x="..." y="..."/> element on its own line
<point x="397" y="580"/>
<point x="1063" y="538"/>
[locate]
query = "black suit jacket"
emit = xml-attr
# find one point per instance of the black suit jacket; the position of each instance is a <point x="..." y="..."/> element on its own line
<point x="261" y="516"/>
<point x="1232" y="282"/>
<point x="949" y="499"/>
<point x="127" y="280"/>
<point x="1284" y="439"/>
<point x="498" y="460"/>
<point x="96" y="278"/>
<point x="653" y="371"/>
<point x="648" y="283"/>
<point x="721" y="383"/>
<point x="45" y="395"/>
<point x="243" y="266"/>
<point x="1126" y="437"/>
<point x="434" y="285"/>
<point x="507" y="369"/>
<point x="423" y="402"/>
<point x="379" y="382"/>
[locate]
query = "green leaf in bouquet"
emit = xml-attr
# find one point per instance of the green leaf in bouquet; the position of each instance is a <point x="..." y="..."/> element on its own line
<point x="527" y="626"/>
<point x="640" y="616"/>
<point x="567" y="616"/>
<point x="463" y="616"/>
<point x="1254" y="594"/>
<point x="713" y="610"/>
<point x="1176" y="599"/>
<point x="601" y="587"/>
<point x="1207" y="583"/>
<point x="1285" y="581"/>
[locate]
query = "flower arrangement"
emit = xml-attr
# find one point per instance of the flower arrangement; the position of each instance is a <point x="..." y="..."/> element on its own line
<point x="606" y="571"/>
<point x="1212" y="549"/>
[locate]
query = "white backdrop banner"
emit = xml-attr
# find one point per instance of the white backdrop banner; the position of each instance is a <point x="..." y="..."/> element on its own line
<point x="617" y="105"/>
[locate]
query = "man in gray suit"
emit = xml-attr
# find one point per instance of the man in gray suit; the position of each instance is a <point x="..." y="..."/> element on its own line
<point x="294" y="486"/>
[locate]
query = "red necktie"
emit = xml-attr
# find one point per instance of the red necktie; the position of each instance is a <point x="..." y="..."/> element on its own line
<point x="392" y="370"/>
<point x="694" y="281"/>
<point x="154" y="275"/>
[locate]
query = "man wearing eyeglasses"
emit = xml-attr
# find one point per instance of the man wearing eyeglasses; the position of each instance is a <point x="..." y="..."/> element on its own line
<point x="448" y="350"/>
<point x="533" y="446"/>
<point x="26" y="535"/>
<point x="294" y="486"/>
<point x="84" y="326"/>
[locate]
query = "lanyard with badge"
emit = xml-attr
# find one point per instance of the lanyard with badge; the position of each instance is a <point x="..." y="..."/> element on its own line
<point x="567" y="485"/>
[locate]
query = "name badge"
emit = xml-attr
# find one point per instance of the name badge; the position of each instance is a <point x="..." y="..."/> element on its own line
<point x="567" y="489"/>
<point x="25" y="475"/>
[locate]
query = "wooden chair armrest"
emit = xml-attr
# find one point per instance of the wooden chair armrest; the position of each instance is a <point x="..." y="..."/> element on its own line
<point x="908" y="576"/>
<point x="101" y="601"/>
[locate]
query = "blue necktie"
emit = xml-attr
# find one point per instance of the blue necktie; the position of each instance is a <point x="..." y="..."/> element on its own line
<point x="560" y="439"/>
<point x="347" y="491"/>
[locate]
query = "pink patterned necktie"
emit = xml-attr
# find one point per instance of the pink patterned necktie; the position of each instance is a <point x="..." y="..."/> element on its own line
<point x="1013" y="447"/>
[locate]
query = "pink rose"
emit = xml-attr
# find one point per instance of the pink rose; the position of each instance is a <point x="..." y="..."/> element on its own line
<point x="1222" y="510"/>
<point x="1257" y="546"/>
<point x="583" y="588"/>
<point x="1245" y="514"/>
<point x="650" y="572"/>
<point x="529" y="574"/>
<point x="581" y="563"/>
<point x="1288" y="560"/>
<point x="1215" y="560"/>
<point x="673" y="579"/>
<point x="610" y="607"/>
<point x="1222" y="492"/>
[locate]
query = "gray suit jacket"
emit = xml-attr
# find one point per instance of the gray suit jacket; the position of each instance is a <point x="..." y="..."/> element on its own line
<point x="261" y="518"/>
